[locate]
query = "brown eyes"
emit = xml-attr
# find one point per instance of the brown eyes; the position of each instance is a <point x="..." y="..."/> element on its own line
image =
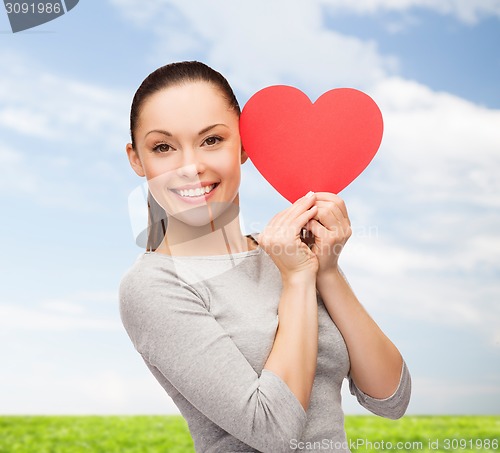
<point x="213" y="140"/>
<point x="161" y="148"/>
<point x="165" y="147"/>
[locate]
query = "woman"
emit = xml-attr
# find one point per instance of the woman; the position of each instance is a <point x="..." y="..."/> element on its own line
<point x="251" y="336"/>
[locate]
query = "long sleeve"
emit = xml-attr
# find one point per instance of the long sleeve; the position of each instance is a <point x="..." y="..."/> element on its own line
<point x="171" y="327"/>
<point x="395" y="405"/>
<point x="392" y="407"/>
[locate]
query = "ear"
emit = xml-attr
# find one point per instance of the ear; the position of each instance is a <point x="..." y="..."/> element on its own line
<point x="244" y="155"/>
<point x="135" y="161"/>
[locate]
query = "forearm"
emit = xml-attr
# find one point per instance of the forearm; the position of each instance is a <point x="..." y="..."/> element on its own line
<point x="294" y="353"/>
<point x="375" y="362"/>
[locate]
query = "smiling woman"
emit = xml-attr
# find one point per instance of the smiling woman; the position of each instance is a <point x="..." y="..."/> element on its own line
<point x="251" y="336"/>
<point x="191" y="157"/>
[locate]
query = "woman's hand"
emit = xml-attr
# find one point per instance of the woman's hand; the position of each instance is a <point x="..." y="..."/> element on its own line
<point x="331" y="228"/>
<point x="281" y="240"/>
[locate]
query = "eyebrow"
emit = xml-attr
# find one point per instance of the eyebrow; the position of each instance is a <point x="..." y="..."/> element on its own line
<point x="203" y="131"/>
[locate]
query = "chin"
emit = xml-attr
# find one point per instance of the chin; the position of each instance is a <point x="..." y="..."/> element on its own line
<point x="196" y="217"/>
<point x="204" y="215"/>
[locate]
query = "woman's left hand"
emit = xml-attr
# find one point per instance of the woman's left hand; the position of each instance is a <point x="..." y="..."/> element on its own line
<point x="331" y="228"/>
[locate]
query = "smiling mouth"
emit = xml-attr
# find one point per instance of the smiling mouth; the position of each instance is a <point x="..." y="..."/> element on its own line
<point x="195" y="193"/>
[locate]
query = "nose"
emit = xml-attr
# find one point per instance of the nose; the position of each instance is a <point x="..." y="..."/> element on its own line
<point x="191" y="165"/>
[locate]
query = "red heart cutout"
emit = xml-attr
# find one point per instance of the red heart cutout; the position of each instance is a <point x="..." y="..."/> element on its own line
<point x="299" y="146"/>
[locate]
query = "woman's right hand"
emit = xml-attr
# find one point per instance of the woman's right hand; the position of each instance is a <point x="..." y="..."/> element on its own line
<point x="281" y="240"/>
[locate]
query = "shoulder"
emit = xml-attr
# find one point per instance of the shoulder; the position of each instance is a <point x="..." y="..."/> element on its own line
<point x="145" y="272"/>
<point x="153" y="279"/>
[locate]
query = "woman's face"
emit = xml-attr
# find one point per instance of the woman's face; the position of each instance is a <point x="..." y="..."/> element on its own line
<point x="188" y="147"/>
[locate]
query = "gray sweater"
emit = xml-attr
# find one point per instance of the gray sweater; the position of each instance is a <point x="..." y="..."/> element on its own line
<point x="205" y="326"/>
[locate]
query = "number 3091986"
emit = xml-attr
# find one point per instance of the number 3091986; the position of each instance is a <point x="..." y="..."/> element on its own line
<point x="33" y="8"/>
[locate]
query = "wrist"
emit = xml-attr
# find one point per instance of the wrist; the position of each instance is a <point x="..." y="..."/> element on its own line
<point x="299" y="279"/>
<point x="331" y="274"/>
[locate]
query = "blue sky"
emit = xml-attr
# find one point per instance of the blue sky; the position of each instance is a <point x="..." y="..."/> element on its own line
<point x="423" y="258"/>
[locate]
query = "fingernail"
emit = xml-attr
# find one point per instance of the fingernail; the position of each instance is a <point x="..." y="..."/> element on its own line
<point x="309" y="194"/>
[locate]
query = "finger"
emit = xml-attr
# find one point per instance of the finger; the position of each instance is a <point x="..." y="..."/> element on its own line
<point x="325" y="239"/>
<point x="340" y="232"/>
<point x="300" y="221"/>
<point x="320" y="236"/>
<point x="317" y="229"/>
<point x="339" y="206"/>
<point x="329" y="214"/>
<point x="329" y="196"/>
<point x="287" y="224"/>
<point x="327" y="219"/>
<point x="298" y="208"/>
<point x="336" y="210"/>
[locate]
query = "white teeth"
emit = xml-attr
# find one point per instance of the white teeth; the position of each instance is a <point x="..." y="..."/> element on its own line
<point x="195" y="192"/>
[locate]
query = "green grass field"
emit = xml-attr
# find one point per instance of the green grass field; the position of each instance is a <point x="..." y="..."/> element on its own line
<point x="161" y="434"/>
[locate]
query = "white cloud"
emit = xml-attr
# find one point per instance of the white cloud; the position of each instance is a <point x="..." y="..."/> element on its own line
<point x="392" y="259"/>
<point x="256" y="44"/>
<point x="58" y="131"/>
<point x="140" y="13"/>
<point x="131" y="390"/>
<point x="437" y="396"/>
<point x="468" y="11"/>
<point x="80" y="311"/>
<point x="63" y="307"/>
<point x="395" y="279"/>
<point x="15" y="173"/>
<point x="40" y="104"/>
<point x="46" y="180"/>
<point x="441" y="142"/>
<point x="436" y="126"/>
<point x="27" y="122"/>
<point x="496" y="339"/>
<point x="13" y="317"/>
<point x="432" y="395"/>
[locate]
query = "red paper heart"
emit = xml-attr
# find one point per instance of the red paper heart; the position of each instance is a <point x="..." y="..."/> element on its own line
<point x="300" y="146"/>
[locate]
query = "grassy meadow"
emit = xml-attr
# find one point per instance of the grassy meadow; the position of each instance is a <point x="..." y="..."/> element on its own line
<point x="161" y="434"/>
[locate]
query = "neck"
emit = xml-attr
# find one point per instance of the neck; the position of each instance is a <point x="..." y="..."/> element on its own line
<point x="220" y="237"/>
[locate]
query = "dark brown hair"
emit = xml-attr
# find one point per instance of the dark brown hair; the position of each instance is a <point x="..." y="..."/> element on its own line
<point x="162" y="78"/>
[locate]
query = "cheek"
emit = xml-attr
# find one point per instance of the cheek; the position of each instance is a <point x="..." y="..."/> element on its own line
<point x="230" y="168"/>
<point x="159" y="176"/>
<point x="158" y="169"/>
<point x="229" y="164"/>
